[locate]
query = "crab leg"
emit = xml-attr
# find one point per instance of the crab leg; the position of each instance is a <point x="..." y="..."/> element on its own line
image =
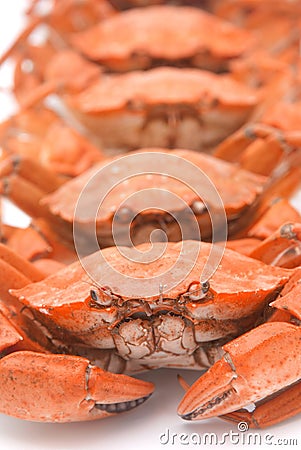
<point x="15" y="272"/>
<point x="282" y="248"/>
<point x="31" y="171"/>
<point x="271" y="213"/>
<point x="282" y="186"/>
<point x="279" y="213"/>
<point x="11" y="264"/>
<point x="39" y="94"/>
<point x="20" y="39"/>
<point x="259" y="148"/>
<point x="26" y="182"/>
<point x="63" y="388"/>
<point x="24" y="194"/>
<point x="239" y="378"/>
<point x="27" y="197"/>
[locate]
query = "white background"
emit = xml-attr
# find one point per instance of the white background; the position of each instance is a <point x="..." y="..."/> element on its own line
<point x="139" y="428"/>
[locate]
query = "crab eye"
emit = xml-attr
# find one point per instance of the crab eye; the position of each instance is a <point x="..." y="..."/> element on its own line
<point x="94" y="295"/>
<point x="205" y="286"/>
<point x="197" y="291"/>
<point x="103" y="297"/>
<point x="198" y="207"/>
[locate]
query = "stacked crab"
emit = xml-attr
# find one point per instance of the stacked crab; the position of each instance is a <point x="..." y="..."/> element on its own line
<point x="216" y="88"/>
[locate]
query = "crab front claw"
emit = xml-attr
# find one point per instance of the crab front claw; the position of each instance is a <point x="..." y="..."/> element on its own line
<point x="256" y="365"/>
<point x="62" y="388"/>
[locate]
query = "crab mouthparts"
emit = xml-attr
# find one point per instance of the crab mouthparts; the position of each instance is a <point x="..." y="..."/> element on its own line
<point x="122" y="406"/>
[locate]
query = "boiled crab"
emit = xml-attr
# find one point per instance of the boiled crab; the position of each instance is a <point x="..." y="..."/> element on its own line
<point x="61" y="209"/>
<point x="182" y="322"/>
<point x="163" y="35"/>
<point x="167" y="107"/>
<point x="164" y="107"/>
<point x="150" y="331"/>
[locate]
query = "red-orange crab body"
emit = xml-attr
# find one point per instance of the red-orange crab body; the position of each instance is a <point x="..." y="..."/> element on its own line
<point x="163" y="35"/>
<point x="100" y="212"/>
<point x="180" y="324"/>
<point x="166" y="107"/>
<point x="55" y="332"/>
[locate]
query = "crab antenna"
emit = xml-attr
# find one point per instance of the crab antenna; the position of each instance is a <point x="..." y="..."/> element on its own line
<point x="90" y="283"/>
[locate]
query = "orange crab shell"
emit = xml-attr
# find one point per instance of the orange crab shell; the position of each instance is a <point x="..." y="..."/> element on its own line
<point x="136" y="38"/>
<point x="224" y="175"/>
<point x="167" y="107"/>
<point x="63" y="300"/>
<point x="163" y="85"/>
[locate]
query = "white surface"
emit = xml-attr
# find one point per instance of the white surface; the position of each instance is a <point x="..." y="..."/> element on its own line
<point x="140" y="428"/>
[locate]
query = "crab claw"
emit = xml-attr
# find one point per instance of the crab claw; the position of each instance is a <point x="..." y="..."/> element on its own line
<point x="254" y="366"/>
<point x="62" y="388"/>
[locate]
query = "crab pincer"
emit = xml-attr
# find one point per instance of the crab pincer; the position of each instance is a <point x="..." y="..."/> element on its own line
<point x="255" y="366"/>
<point x="63" y="388"/>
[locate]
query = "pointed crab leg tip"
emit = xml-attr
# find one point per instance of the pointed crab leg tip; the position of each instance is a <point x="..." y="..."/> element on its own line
<point x="183" y="383"/>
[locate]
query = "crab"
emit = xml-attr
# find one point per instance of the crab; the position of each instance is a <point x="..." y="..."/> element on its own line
<point x="168" y="107"/>
<point x="82" y="320"/>
<point x="165" y="106"/>
<point x="254" y="211"/>
<point x="93" y="32"/>
<point x="181" y="323"/>
<point x="142" y="38"/>
<point x="60" y="208"/>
